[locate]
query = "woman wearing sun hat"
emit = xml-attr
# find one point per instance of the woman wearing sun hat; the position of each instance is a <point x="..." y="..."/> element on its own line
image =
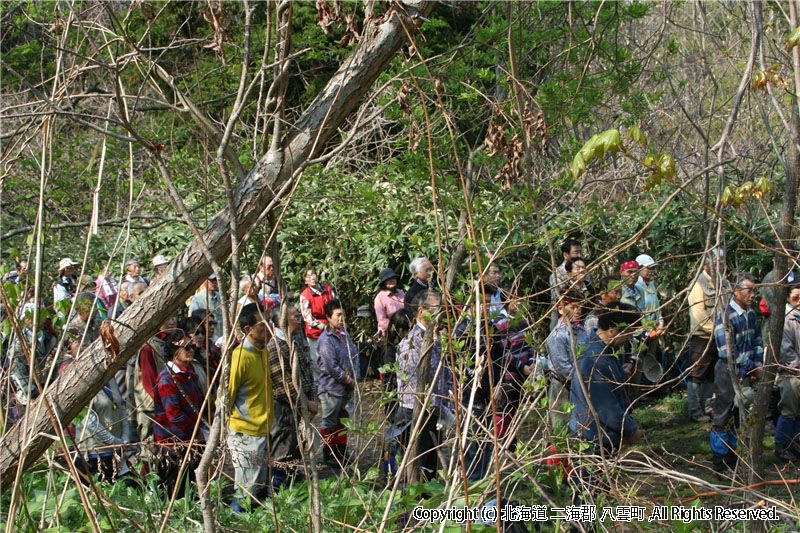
<point x="389" y="300"/>
<point x="65" y="284"/>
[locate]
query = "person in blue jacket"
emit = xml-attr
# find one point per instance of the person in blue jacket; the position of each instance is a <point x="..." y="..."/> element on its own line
<point x="599" y="371"/>
<point x="601" y="413"/>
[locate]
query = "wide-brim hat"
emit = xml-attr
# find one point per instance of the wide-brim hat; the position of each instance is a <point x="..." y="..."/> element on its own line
<point x="66" y="263"/>
<point x="160" y="260"/>
<point x="387" y="274"/>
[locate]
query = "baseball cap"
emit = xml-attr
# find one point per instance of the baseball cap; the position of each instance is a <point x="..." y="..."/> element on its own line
<point x="645" y="261"/>
<point x="628" y="265"/>
<point x="160" y="260"/>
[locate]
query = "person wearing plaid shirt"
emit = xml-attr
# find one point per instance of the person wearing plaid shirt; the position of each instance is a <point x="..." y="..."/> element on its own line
<point x="409" y="353"/>
<point x="747" y="357"/>
<point x="283" y="435"/>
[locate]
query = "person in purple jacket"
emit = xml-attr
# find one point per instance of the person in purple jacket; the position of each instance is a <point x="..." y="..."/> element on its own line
<point x="335" y="352"/>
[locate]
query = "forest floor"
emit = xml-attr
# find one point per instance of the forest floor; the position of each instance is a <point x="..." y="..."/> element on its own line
<point x="672" y="440"/>
<point x="683" y="445"/>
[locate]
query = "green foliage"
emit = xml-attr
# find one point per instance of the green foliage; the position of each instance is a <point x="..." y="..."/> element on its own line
<point x="793" y="39"/>
<point x="22" y="44"/>
<point x="596" y="148"/>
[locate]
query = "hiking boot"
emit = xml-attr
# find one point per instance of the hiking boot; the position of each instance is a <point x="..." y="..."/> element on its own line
<point x="724" y="473"/>
<point x="783" y="454"/>
<point x="731" y="460"/>
<point x="724" y="467"/>
<point x="701" y="419"/>
<point x="787" y="453"/>
<point x="329" y="459"/>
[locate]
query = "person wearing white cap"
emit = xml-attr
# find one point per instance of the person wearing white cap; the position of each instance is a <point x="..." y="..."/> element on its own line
<point x="650" y="306"/>
<point x="65" y="287"/>
<point x="648" y="293"/>
<point x="134" y="272"/>
<point x="160" y="264"/>
<point x="209" y="300"/>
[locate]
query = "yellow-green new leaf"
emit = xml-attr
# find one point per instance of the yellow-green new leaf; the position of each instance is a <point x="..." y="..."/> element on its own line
<point x="794" y="39"/>
<point x="596" y="148"/>
<point x="727" y="197"/>
<point x="610" y="142"/>
<point x="589" y="150"/>
<point x="746" y="187"/>
<point x="762" y="188"/>
<point x="578" y="166"/>
<point x="637" y="136"/>
<point x="666" y="166"/>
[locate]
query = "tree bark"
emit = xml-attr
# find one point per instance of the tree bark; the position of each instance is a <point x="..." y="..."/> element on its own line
<point x="304" y="140"/>
<point x="423" y="371"/>
<point x="776" y="296"/>
<point x="460" y="253"/>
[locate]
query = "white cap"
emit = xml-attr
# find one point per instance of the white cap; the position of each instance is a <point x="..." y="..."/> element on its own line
<point x="66" y="263"/>
<point x="645" y="261"/>
<point x="160" y="260"/>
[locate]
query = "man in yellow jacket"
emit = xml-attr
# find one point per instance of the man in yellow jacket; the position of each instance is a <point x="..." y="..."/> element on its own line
<point x="250" y="402"/>
<point x="703" y="309"/>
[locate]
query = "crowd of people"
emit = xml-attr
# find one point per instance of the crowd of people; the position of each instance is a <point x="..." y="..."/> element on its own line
<point x="603" y="352"/>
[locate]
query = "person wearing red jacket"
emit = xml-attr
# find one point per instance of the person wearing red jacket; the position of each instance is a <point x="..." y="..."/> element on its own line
<point x="312" y="306"/>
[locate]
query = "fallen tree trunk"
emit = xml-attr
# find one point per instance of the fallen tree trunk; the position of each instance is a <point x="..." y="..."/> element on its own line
<point x="381" y="39"/>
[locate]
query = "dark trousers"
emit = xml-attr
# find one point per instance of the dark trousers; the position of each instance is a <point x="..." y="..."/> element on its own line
<point x="101" y="466"/>
<point x="428" y="440"/>
<point x="703" y="353"/>
<point x="724" y="396"/>
<point x="168" y="468"/>
<point x="478" y="453"/>
<point x="723" y="439"/>
<point x="283" y="442"/>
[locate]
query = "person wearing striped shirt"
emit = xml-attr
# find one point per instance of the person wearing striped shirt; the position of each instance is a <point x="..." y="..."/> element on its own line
<point x="285" y="345"/>
<point x="177" y="403"/>
<point x="747" y="356"/>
